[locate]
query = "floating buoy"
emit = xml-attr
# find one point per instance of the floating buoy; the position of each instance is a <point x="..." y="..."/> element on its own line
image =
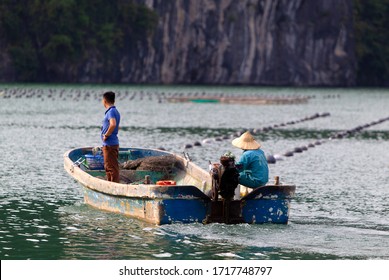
<point x="266" y="128"/>
<point x="271" y="159"/>
<point x="288" y="154"/>
<point x="316" y="116"/>
<point x="298" y="150"/>
<point x="278" y="157"/>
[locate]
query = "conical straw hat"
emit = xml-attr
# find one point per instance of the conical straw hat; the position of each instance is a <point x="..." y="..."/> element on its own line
<point x="246" y="142"/>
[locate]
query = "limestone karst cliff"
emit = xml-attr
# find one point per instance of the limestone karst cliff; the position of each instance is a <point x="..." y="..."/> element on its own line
<point x="267" y="42"/>
<point x="256" y="42"/>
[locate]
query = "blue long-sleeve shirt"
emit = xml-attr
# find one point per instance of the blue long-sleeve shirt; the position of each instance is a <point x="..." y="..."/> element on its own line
<point x="255" y="161"/>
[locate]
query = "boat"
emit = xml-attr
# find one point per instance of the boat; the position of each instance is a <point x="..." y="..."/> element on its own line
<point x="186" y="194"/>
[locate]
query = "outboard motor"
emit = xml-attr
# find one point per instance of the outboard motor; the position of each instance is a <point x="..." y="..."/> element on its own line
<point x="228" y="177"/>
<point x="225" y="179"/>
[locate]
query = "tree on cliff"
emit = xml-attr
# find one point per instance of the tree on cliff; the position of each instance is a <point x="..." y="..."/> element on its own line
<point x="372" y="41"/>
<point x="44" y="37"/>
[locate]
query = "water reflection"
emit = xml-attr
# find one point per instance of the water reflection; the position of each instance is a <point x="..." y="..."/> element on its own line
<point x="94" y="234"/>
<point x="30" y="230"/>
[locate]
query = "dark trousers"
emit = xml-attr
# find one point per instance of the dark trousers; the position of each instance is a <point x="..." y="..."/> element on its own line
<point x="111" y="162"/>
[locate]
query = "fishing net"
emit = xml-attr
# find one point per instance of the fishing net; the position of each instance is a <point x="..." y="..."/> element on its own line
<point x="159" y="167"/>
<point x="157" y="163"/>
<point x="155" y="167"/>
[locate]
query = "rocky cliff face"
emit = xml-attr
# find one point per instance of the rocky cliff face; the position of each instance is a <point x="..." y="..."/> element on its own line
<point x="267" y="42"/>
<point x="257" y="42"/>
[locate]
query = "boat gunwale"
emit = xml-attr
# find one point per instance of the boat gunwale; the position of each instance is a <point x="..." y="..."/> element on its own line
<point x="153" y="191"/>
<point x="145" y="191"/>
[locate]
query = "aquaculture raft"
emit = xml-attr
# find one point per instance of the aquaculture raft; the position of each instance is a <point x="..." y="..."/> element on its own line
<point x="144" y="197"/>
<point x="241" y="100"/>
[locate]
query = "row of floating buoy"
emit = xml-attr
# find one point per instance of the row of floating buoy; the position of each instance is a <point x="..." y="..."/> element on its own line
<point x="359" y="128"/>
<point x="331" y="96"/>
<point x="63" y="94"/>
<point x="77" y="94"/>
<point x="254" y="131"/>
<point x="272" y="159"/>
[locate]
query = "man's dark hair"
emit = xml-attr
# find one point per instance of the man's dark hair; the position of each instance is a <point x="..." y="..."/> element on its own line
<point x="109" y="96"/>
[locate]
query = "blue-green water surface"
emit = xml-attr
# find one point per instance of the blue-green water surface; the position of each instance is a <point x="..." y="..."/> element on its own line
<point x="341" y="208"/>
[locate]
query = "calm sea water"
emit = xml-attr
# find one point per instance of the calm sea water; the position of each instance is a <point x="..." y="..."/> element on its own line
<point x="341" y="208"/>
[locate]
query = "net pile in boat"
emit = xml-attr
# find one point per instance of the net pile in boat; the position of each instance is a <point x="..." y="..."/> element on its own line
<point x="157" y="163"/>
<point x="166" y="165"/>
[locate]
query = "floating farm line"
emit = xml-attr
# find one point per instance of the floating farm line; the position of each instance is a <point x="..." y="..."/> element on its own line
<point x="196" y="96"/>
<point x="255" y="131"/>
<point x="336" y="135"/>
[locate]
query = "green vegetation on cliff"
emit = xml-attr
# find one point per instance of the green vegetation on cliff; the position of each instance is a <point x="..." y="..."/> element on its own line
<point x="44" y="36"/>
<point x="371" y="21"/>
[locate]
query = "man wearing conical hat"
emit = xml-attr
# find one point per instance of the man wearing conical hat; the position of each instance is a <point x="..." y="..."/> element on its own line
<point x="254" y="171"/>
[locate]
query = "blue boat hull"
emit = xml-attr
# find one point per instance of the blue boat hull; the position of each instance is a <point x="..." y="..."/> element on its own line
<point x="156" y="211"/>
<point x="176" y="210"/>
<point x="268" y="204"/>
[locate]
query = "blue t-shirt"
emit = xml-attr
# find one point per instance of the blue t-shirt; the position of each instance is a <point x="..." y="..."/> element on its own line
<point x="113" y="139"/>
<point x="255" y="161"/>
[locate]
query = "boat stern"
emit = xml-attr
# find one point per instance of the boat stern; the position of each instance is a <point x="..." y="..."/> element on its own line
<point x="268" y="204"/>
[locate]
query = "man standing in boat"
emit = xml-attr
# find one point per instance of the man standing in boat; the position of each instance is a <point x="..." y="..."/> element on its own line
<point x="109" y="136"/>
<point x="253" y="168"/>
